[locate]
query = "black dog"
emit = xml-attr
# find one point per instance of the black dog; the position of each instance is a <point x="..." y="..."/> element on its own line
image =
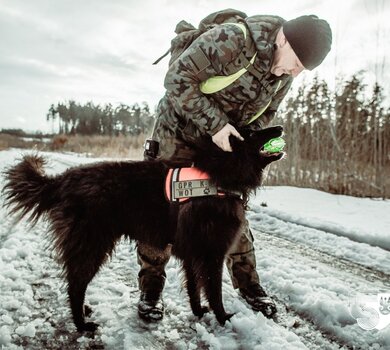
<point x="90" y="207"/>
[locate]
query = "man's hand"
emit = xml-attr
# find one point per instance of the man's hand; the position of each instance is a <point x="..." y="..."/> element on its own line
<point x="221" y="138"/>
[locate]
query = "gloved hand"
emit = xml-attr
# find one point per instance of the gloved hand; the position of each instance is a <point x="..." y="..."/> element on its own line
<point x="221" y="138"/>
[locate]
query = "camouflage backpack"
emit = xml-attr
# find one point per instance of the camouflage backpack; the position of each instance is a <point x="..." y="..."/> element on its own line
<point x="187" y="33"/>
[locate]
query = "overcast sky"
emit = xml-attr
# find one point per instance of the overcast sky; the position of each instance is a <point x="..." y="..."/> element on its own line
<point x="101" y="51"/>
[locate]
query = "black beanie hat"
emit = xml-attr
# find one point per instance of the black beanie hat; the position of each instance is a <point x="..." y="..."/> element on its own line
<point x="310" y="38"/>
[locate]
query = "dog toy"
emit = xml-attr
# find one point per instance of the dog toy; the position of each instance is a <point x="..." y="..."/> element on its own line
<point x="275" y="145"/>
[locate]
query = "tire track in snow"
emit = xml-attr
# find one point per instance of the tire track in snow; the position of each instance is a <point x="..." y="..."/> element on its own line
<point x="297" y="318"/>
<point x="342" y="248"/>
<point x="370" y="273"/>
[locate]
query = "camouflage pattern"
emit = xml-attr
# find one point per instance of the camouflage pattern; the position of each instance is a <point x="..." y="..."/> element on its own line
<point x="172" y="148"/>
<point x="241" y="264"/>
<point x="187" y="33"/>
<point x="241" y="261"/>
<point x="151" y="277"/>
<point x="185" y="113"/>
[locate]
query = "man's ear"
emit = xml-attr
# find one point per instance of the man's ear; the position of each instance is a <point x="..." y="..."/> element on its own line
<point x="281" y="41"/>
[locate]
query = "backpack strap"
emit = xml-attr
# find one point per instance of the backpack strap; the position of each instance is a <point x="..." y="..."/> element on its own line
<point x="262" y="109"/>
<point x="181" y="27"/>
<point x="249" y="66"/>
<point x="201" y="62"/>
<point x="164" y="55"/>
<point x="219" y="82"/>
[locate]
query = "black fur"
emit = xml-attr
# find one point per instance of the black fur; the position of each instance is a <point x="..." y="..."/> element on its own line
<point x="91" y="207"/>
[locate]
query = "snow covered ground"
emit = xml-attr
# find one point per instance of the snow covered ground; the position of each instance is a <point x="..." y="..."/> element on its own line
<point x="320" y="255"/>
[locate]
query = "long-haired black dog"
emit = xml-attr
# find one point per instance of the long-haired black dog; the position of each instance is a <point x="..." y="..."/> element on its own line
<point x="91" y="207"/>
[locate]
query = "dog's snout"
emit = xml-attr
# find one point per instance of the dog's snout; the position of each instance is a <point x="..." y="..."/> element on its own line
<point x="279" y="128"/>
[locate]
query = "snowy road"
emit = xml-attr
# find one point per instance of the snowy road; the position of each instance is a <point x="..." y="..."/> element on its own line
<point x="327" y="280"/>
<point x="313" y="275"/>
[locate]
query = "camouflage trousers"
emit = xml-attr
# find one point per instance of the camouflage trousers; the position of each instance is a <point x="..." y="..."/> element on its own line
<point x="240" y="262"/>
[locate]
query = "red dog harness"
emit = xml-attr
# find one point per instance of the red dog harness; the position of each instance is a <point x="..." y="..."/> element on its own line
<point x="181" y="184"/>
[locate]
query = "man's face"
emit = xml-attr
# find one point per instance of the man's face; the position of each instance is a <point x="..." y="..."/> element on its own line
<point x="285" y="60"/>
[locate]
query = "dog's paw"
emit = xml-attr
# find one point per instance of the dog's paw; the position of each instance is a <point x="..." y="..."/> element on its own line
<point x="87" y="310"/>
<point x="88" y="327"/>
<point x="199" y="312"/>
<point x="223" y="318"/>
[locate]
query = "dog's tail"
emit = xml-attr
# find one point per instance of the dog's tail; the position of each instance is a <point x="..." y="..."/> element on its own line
<point x="28" y="191"/>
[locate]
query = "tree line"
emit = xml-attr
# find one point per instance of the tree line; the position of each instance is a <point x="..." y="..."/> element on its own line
<point x="91" y="119"/>
<point x="337" y="141"/>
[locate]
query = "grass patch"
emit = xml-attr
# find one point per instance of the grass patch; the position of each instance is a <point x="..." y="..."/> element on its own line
<point x="129" y="147"/>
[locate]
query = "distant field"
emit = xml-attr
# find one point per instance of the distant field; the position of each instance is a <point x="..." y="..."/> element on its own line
<point x="129" y="147"/>
<point x="338" y="175"/>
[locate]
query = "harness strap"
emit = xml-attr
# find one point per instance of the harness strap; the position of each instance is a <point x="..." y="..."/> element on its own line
<point x="173" y="215"/>
<point x="182" y="184"/>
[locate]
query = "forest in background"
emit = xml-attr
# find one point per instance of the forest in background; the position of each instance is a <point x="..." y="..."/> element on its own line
<point x="336" y="141"/>
<point x="90" y="119"/>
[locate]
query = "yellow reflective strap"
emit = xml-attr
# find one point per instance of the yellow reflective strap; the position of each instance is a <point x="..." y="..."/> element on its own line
<point x="241" y="26"/>
<point x="219" y="82"/>
<point x="262" y="109"/>
<point x="260" y="112"/>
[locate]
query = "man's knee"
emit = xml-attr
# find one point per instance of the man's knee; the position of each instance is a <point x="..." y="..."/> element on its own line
<point x="151" y="256"/>
<point x="152" y="261"/>
<point x="242" y="269"/>
<point x="244" y="243"/>
<point x="241" y="260"/>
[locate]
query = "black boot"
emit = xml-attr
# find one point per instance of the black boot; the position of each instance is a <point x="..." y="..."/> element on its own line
<point x="258" y="299"/>
<point x="151" y="306"/>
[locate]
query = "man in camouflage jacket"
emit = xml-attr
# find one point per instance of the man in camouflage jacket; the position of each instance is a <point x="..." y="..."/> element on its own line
<point x="283" y="50"/>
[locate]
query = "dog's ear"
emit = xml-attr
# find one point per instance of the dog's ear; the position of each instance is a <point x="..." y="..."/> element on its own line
<point x="236" y="143"/>
<point x="246" y="133"/>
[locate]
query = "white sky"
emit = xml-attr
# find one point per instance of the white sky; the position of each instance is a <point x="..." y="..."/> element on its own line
<point x="102" y="51"/>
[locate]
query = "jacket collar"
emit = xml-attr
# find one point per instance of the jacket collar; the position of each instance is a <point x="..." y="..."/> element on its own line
<point x="263" y="30"/>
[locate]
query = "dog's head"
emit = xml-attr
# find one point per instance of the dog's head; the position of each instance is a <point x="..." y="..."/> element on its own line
<point x="242" y="169"/>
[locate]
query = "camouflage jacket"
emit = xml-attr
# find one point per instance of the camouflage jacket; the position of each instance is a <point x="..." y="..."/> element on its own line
<point x="186" y="113"/>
